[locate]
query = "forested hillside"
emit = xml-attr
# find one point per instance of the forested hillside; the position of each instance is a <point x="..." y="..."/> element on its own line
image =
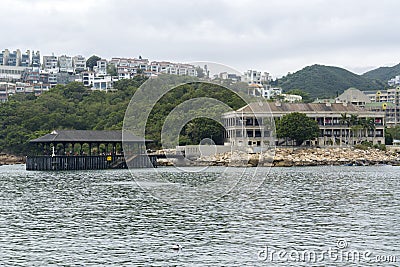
<point x="25" y="117"/>
<point x="326" y="81"/>
<point x="383" y="73"/>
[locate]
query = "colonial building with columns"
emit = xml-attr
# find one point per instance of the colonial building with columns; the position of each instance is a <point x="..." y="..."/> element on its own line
<point x="340" y="124"/>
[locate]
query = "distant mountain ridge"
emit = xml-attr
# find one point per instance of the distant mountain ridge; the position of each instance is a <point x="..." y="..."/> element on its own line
<point x="383" y="73"/>
<point x="327" y="81"/>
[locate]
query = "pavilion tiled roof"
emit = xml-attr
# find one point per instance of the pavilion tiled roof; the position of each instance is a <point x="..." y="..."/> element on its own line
<point x="88" y="136"/>
<point x="260" y="107"/>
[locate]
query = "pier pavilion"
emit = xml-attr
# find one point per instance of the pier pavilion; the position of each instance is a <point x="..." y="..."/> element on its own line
<point x="89" y="150"/>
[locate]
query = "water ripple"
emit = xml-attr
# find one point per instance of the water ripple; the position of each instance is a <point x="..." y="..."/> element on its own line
<point x="92" y="218"/>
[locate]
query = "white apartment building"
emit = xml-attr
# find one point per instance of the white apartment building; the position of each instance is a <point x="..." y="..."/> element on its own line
<point x="104" y="83"/>
<point x="395" y="81"/>
<point x="79" y="63"/>
<point x="65" y="64"/>
<point x="256" y="77"/>
<point x="101" y="67"/>
<point x="6" y="89"/>
<point x="11" y="73"/>
<point x="291" y="98"/>
<point x="88" y="78"/>
<point x="50" y="63"/>
<point x="15" y="58"/>
<point x="173" y="68"/>
<point x="229" y="76"/>
<point x="97" y="82"/>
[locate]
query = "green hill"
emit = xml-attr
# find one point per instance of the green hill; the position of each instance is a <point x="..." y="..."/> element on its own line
<point x="326" y="81"/>
<point x="383" y="73"/>
<point x="73" y="106"/>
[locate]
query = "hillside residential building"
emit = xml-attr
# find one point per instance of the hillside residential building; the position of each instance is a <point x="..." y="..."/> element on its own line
<point x="79" y="63"/>
<point x="395" y="81"/>
<point x="50" y="63"/>
<point x="6" y="89"/>
<point x="103" y="83"/>
<point x="268" y="92"/>
<point x="4" y="57"/>
<point x="391" y="110"/>
<point x="97" y="82"/>
<point x="353" y="96"/>
<point x="88" y="78"/>
<point x="11" y="73"/>
<point x="101" y="67"/>
<point x="157" y="67"/>
<point x="291" y="98"/>
<point x="35" y="59"/>
<point x="390" y="95"/>
<point x="253" y="125"/>
<point x="255" y="77"/>
<point x="386" y="101"/>
<point x="229" y="76"/>
<point x="65" y="64"/>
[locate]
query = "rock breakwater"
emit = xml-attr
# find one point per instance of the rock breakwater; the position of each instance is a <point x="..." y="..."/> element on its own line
<point x="6" y="159"/>
<point x="287" y="157"/>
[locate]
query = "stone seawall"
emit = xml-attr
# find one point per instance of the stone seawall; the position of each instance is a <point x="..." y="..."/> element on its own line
<point x="6" y="159"/>
<point x="333" y="156"/>
<point x="287" y="157"/>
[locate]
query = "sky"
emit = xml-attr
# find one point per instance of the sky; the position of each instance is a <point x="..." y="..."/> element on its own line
<point x="277" y="36"/>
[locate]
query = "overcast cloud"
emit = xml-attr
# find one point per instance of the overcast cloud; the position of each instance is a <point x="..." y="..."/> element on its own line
<point x="277" y="36"/>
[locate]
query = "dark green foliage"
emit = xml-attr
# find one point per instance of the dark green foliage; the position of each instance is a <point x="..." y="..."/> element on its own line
<point x="197" y="129"/>
<point x="112" y="70"/>
<point x="365" y="145"/>
<point x="92" y="61"/>
<point x="391" y="134"/>
<point x="297" y="126"/>
<point x="26" y="117"/>
<point x="383" y="74"/>
<point x="326" y="81"/>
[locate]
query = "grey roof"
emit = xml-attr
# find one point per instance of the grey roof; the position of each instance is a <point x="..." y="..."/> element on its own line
<point x="299" y="107"/>
<point x="88" y="136"/>
<point x="354" y="95"/>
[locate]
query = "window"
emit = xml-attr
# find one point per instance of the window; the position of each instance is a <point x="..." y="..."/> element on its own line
<point x="249" y="121"/>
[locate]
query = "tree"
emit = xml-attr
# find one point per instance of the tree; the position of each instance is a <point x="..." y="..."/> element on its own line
<point x="344" y="120"/>
<point x="297" y="126"/>
<point x="112" y="70"/>
<point x="92" y="61"/>
<point x="353" y="125"/>
<point x="391" y="134"/>
<point x="201" y="128"/>
<point x="368" y="124"/>
<point x="200" y="72"/>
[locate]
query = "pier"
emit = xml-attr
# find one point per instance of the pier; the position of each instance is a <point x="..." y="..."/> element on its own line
<point x="89" y="150"/>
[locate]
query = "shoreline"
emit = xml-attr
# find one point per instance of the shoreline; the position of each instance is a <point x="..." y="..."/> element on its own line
<point x="7" y="159"/>
<point x="290" y="157"/>
<point x="278" y="157"/>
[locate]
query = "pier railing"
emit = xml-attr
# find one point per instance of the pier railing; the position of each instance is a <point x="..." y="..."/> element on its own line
<point x="55" y="163"/>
